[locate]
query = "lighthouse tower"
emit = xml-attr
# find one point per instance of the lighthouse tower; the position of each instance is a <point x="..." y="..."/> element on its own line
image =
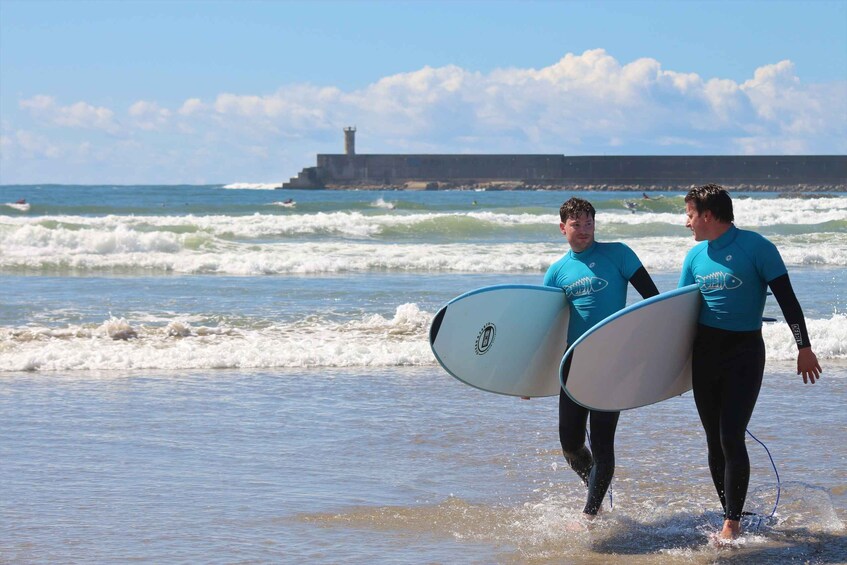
<point x="350" y="141"/>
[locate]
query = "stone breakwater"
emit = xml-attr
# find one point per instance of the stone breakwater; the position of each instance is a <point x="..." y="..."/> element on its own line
<point x="803" y="190"/>
<point x="794" y="173"/>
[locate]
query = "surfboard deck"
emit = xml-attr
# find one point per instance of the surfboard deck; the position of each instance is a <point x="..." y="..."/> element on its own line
<point x="506" y="339"/>
<point x="638" y="356"/>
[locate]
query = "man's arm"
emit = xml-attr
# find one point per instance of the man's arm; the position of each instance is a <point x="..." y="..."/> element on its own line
<point x="643" y="284"/>
<point x="807" y="362"/>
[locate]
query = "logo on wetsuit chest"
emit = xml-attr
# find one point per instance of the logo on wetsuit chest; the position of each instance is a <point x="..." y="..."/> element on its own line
<point x="718" y="281"/>
<point x="485" y="338"/>
<point x="585" y="286"/>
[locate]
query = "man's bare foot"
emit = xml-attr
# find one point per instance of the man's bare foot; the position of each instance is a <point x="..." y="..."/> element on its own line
<point x="731" y="530"/>
<point x="576" y="526"/>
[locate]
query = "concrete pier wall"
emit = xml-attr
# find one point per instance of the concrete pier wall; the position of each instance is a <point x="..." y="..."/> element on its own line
<point x="339" y="171"/>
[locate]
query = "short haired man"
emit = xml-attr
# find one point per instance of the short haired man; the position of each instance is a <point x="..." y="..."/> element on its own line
<point x="734" y="268"/>
<point x="594" y="276"/>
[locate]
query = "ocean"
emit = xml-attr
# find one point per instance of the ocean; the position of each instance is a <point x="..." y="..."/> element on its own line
<point x="208" y="374"/>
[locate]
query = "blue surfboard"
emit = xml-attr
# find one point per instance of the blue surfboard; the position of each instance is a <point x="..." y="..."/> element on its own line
<point x="507" y="339"/>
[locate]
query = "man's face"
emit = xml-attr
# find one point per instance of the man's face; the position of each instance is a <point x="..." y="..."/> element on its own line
<point x="579" y="232"/>
<point x="696" y="222"/>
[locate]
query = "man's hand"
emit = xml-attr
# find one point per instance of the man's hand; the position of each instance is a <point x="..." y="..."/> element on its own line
<point x="808" y="366"/>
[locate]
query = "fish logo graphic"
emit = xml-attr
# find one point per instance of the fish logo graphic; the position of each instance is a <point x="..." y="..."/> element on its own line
<point x="718" y="281"/>
<point x="585" y="286"/>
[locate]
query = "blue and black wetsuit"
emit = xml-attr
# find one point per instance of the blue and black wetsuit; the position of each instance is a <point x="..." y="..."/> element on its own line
<point x="733" y="272"/>
<point x="595" y="282"/>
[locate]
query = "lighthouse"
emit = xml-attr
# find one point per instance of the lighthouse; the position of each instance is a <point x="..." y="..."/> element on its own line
<point x="350" y="141"/>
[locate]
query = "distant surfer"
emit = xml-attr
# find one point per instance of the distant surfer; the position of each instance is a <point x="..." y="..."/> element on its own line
<point x="734" y="267"/>
<point x="630" y="205"/>
<point x="21" y="205"/>
<point x="594" y="276"/>
<point x="645" y="196"/>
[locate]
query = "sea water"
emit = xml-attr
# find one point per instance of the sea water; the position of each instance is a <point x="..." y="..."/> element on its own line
<point x="208" y="374"/>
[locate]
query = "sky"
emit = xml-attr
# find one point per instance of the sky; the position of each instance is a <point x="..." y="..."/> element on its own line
<point x="205" y="92"/>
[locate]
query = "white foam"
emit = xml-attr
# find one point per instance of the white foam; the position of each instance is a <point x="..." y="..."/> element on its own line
<point x="352" y="241"/>
<point x="828" y="337"/>
<point x="253" y="185"/>
<point x="372" y="340"/>
<point x="119" y="344"/>
<point x="169" y="253"/>
<point x="382" y="203"/>
<point x="194" y="253"/>
<point x="749" y="213"/>
<point x="766" y="212"/>
<point x="357" y="224"/>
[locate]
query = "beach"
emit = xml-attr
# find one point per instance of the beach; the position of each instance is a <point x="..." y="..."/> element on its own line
<point x="208" y="374"/>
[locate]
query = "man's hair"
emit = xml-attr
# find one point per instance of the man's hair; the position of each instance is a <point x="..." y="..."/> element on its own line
<point x="714" y="198"/>
<point x="574" y="208"/>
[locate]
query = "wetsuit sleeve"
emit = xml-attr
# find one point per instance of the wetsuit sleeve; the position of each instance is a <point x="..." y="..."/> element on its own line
<point x="686" y="277"/>
<point x="629" y="261"/>
<point x="550" y="276"/>
<point x="784" y="294"/>
<point x="642" y="283"/>
<point x="768" y="260"/>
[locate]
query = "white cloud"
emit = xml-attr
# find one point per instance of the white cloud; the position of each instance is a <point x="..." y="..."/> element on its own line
<point x="39" y="104"/>
<point x="773" y="89"/>
<point x="769" y="146"/>
<point x="78" y="115"/>
<point x="148" y="115"/>
<point x="587" y="103"/>
<point x="669" y="141"/>
<point x="191" y="106"/>
<point x="581" y="103"/>
<point x="31" y="145"/>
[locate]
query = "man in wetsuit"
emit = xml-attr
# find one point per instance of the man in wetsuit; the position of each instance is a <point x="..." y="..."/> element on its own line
<point x="594" y="277"/>
<point x="733" y="268"/>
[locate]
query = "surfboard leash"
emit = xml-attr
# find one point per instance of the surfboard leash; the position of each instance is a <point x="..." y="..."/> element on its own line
<point x="775" y="472"/>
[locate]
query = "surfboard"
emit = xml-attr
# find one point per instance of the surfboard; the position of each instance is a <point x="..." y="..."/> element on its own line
<point x="638" y="356"/>
<point x="506" y="339"/>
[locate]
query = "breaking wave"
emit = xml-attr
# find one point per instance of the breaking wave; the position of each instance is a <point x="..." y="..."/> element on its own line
<point x="371" y="340"/>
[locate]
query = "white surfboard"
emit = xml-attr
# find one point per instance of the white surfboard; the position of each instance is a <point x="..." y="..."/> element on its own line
<point x="507" y="339"/>
<point x="638" y="356"/>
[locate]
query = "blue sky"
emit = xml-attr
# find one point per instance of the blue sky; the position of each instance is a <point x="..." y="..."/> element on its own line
<point x="202" y="92"/>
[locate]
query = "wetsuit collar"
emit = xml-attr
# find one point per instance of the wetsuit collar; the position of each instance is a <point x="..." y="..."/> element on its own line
<point x="725" y="239"/>
<point x="586" y="252"/>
